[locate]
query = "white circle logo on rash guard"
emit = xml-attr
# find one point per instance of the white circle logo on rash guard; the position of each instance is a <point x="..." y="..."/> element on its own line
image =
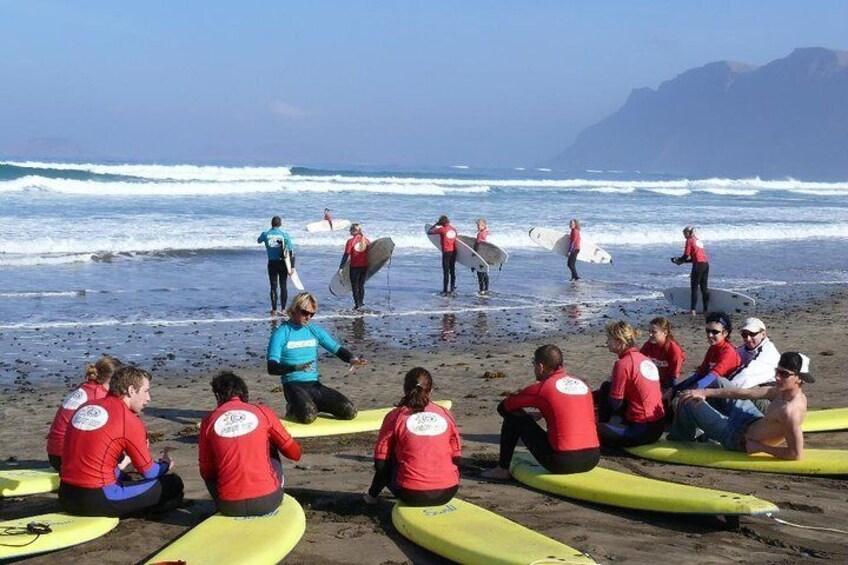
<point x="426" y="424"/>
<point x="699" y="244"/>
<point x="570" y="385"/>
<point x="235" y="423"/>
<point x="649" y="370"/>
<point x="360" y="246"/>
<point x="90" y="418"/>
<point x="75" y="399"/>
<point x="450" y="234"/>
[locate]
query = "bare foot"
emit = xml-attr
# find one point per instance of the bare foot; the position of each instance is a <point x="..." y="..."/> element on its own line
<point x="497" y="474"/>
<point x="370" y="500"/>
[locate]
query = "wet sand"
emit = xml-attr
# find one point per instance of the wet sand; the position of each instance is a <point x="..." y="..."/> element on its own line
<point x="334" y="472"/>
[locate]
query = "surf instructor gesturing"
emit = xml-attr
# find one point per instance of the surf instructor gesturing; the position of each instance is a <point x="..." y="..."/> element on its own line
<point x="447" y="235"/>
<point x="694" y="253"/>
<point x="293" y="354"/>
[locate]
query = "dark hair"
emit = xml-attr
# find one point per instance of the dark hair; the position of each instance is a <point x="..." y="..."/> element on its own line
<point x="443" y="220"/>
<point x="664" y="324"/>
<point x="102" y="370"/>
<point x="720" y="318"/>
<point x="550" y="356"/>
<point x="417" y="385"/>
<point x="276" y="222"/>
<point x="226" y="385"/>
<point x="125" y="377"/>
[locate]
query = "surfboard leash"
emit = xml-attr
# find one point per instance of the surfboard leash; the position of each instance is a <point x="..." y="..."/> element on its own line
<point x="816" y="528"/>
<point x="36" y="529"/>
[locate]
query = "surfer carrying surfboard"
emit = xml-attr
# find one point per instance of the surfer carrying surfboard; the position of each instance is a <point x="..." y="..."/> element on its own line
<point x="241" y="475"/>
<point x="293" y="355"/>
<point x="482" y="235"/>
<point x="418" y="449"/>
<point x="695" y="253"/>
<point x="630" y="407"/>
<point x="570" y="444"/>
<point x="356" y="250"/>
<point x="447" y="236"/>
<point x="328" y="218"/>
<point x="277" y="244"/>
<point x="776" y="432"/>
<point x="573" y="247"/>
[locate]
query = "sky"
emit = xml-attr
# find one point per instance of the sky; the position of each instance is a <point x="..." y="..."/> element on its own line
<point x="416" y="84"/>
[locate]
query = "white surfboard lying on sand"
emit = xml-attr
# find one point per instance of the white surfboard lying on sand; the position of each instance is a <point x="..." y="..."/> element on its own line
<point x="720" y="300"/>
<point x="493" y="255"/>
<point x="379" y="253"/>
<point x="558" y="242"/>
<point x="465" y="255"/>
<point x="324" y="225"/>
<point x="295" y="278"/>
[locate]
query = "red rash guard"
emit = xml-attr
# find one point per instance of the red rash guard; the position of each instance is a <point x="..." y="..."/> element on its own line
<point x="235" y="440"/>
<point x="574" y="240"/>
<point x="357" y="249"/>
<point x="668" y="358"/>
<point x="447" y="234"/>
<point x="695" y="250"/>
<point x="482" y="235"/>
<point x="636" y="380"/>
<point x="721" y="359"/>
<point x="99" y="435"/>
<point x="87" y="392"/>
<point x="423" y="445"/>
<point x="566" y="404"/>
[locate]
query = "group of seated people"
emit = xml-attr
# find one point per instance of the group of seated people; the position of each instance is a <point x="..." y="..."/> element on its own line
<point x="747" y="399"/>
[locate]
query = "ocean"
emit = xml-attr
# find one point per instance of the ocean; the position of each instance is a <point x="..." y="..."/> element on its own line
<point x="159" y="264"/>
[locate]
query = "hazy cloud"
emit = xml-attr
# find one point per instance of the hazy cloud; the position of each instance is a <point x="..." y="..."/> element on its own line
<point x="286" y="110"/>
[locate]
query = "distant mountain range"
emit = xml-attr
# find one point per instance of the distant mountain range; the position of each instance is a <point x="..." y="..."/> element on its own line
<point x="786" y="118"/>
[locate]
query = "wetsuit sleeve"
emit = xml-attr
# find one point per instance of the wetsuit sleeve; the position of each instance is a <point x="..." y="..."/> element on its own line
<point x="529" y="397"/>
<point x="325" y="341"/>
<point x="135" y="445"/>
<point x="280" y="437"/>
<point x="696" y="381"/>
<point x="347" y="252"/>
<point x="263" y="237"/>
<point x="208" y="470"/>
<point x="275" y="350"/>
<point x="436" y="230"/>
<point x="385" y="439"/>
<point x="344" y="260"/>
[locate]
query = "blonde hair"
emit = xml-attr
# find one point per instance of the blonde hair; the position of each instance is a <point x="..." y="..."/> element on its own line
<point x="623" y="332"/>
<point x="483" y="221"/>
<point x="576" y="223"/>
<point x="101" y="371"/>
<point x="301" y="300"/>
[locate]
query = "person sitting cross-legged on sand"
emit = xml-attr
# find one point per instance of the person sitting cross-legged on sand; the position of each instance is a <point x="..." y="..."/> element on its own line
<point x="418" y="449"/>
<point x="777" y="432"/>
<point x="570" y="444"/>
<point x="239" y="451"/>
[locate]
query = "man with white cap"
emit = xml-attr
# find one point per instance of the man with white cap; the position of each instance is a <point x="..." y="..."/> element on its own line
<point x="759" y="358"/>
<point x="745" y="428"/>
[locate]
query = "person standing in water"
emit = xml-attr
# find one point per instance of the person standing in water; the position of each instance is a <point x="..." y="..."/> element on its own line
<point x="695" y="253"/>
<point x="277" y="242"/>
<point x="447" y="234"/>
<point x="573" y="247"/>
<point x="482" y="235"/>
<point x="328" y="218"/>
<point x="356" y="250"/>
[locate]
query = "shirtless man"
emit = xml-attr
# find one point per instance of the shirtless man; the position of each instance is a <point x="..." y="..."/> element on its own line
<point x="777" y="433"/>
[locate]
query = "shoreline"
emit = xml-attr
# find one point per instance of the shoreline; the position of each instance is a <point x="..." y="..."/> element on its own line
<point x="334" y="472"/>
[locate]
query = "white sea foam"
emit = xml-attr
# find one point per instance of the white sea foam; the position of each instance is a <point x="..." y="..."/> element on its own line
<point x="43" y="294"/>
<point x="168" y="172"/>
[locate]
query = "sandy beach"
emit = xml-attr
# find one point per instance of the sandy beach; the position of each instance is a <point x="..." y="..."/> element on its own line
<point x="334" y="472"/>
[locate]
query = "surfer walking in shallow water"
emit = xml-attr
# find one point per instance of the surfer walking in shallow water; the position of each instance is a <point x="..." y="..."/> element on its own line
<point x="573" y="248"/>
<point x="447" y="237"/>
<point x="328" y="218"/>
<point x="277" y="242"/>
<point x="356" y="251"/>
<point x="695" y="253"/>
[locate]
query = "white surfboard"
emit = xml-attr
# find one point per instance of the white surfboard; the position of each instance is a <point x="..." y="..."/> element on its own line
<point x="465" y="255"/>
<point x="493" y="255"/>
<point x="379" y="253"/>
<point x="295" y="278"/>
<point x="724" y="300"/>
<point x="558" y="242"/>
<point x="324" y="225"/>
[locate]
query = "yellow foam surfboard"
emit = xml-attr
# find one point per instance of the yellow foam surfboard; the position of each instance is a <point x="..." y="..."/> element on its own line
<point x="222" y="540"/>
<point x="65" y="531"/>
<point x="21" y="482"/>
<point x="828" y="420"/>
<point x="814" y="461"/>
<point x="465" y="533"/>
<point x="365" y="421"/>
<point x="613" y="488"/>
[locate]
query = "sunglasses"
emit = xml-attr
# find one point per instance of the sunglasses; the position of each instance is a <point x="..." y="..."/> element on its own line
<point x="306" y="313"/>
<point x="748" y="335"/>
<point x="713" y="332"/>
<point x="782" y="373"/>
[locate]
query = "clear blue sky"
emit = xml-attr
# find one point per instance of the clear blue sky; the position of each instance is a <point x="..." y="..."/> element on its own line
<point x="428" y="83"/>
